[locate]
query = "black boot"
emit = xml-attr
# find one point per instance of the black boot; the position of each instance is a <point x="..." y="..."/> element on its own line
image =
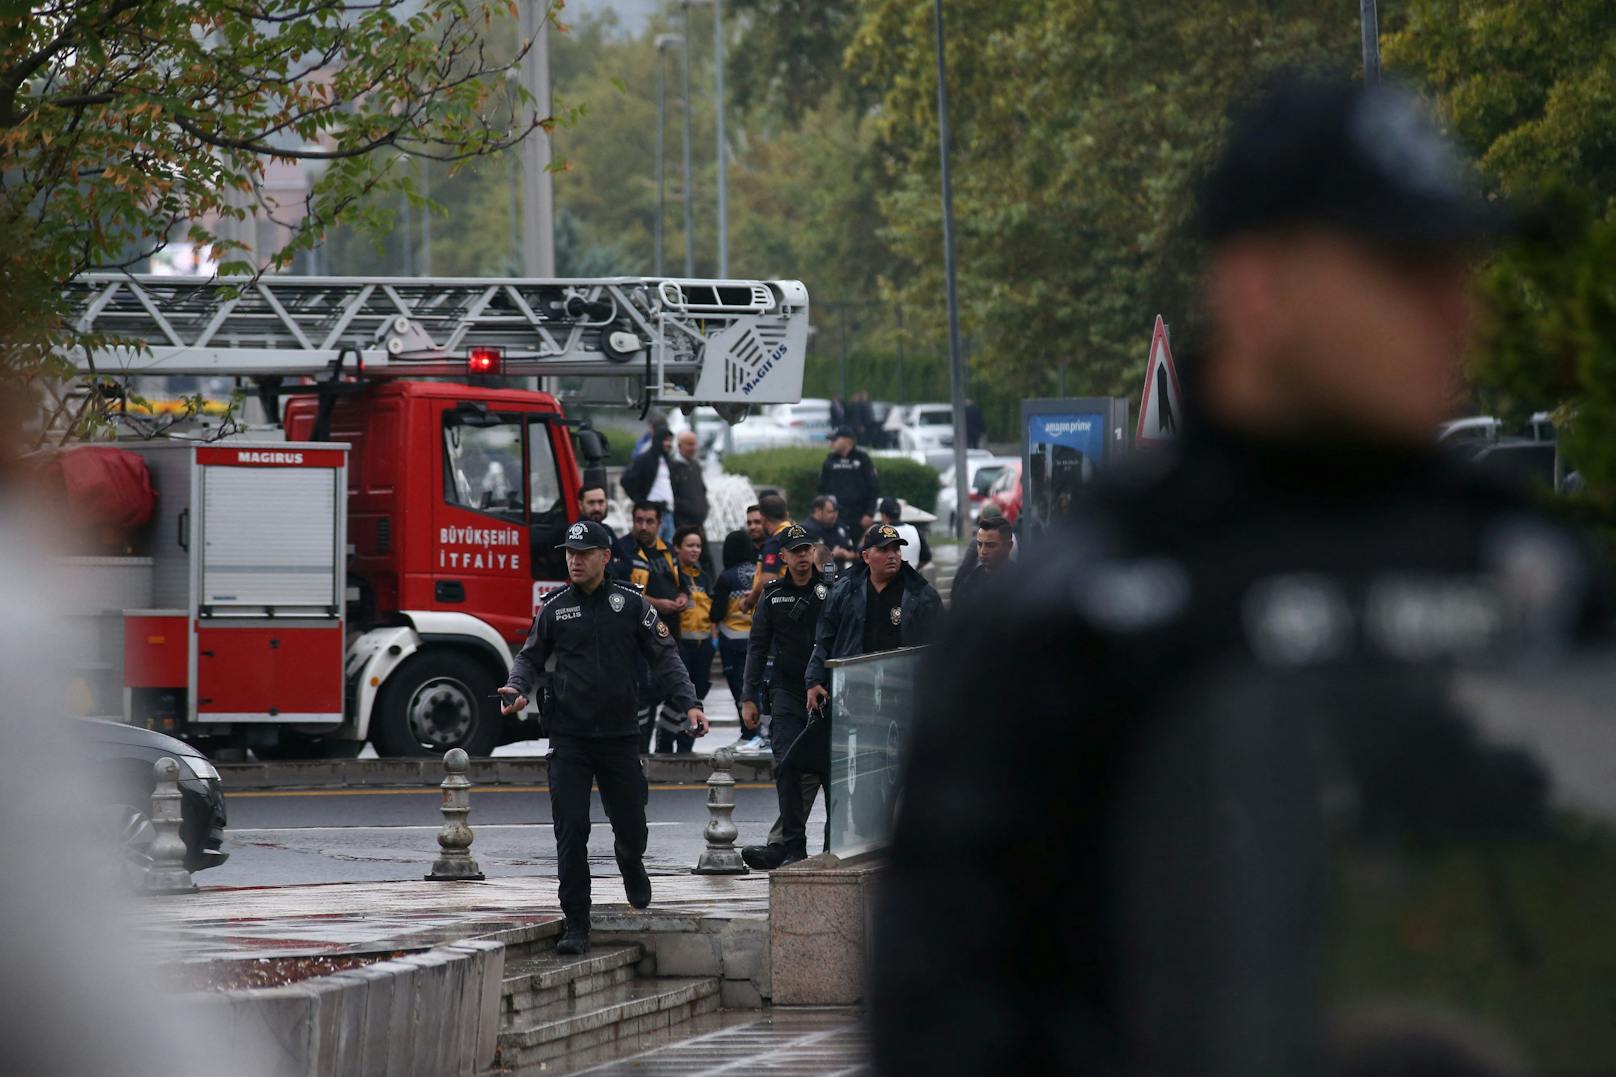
<point x="575" y="939"/>
<point x="636" y="883"/>
<point x="763" y="857"/>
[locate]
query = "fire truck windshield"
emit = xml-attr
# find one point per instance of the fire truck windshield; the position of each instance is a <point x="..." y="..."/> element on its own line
<point x="483" y="467"/>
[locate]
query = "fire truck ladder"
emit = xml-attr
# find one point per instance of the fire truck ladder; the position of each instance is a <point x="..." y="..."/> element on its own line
<point x="729" y="343"/>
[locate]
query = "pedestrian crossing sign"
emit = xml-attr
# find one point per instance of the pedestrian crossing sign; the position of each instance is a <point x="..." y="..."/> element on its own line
<point x="1161" y="408"/>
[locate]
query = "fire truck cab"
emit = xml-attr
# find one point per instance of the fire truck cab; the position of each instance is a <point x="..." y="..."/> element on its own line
<point x="457" y="499"/>
<point x="365" y="570"/>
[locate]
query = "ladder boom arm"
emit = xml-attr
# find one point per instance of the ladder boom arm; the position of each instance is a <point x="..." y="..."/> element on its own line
<point x="720" y="342"/>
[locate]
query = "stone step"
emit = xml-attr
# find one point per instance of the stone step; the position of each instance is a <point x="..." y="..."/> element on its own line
<point x="629" y="1009"/>
<point x="534" y="982"/>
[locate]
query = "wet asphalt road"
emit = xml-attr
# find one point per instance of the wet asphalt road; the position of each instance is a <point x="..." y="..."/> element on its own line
<point x="371" y="835"/>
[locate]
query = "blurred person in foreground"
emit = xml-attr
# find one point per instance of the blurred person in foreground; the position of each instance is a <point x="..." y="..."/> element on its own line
<point x="83" y="994"/>
<point x="1305" y="523"/>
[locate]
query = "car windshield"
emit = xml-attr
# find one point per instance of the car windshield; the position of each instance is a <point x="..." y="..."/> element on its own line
<point x="985" y="476"/>
<point x="934" y="418"/>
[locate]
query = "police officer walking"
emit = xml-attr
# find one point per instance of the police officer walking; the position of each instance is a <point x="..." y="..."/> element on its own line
<point x="586" y="639"/>
<point x="783" y="631"/>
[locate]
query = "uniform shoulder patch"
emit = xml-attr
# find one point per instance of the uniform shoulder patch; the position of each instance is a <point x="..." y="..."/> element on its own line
<point x="650" y="619"/>
<point x="661" y="628"/>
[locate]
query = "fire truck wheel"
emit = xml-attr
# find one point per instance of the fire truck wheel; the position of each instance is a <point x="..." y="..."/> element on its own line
<point x="436" y="701"/>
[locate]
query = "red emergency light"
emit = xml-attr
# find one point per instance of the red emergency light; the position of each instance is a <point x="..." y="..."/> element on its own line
<point x="485" y="360"/>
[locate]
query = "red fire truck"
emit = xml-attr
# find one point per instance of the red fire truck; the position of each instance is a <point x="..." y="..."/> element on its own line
<point x="365" y="566"/>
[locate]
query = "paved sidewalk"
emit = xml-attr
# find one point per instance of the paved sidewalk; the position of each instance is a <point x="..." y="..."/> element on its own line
<point x="222" y="923"/>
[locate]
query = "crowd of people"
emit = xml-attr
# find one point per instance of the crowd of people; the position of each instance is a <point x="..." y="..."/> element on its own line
<point x="633" y="637"/>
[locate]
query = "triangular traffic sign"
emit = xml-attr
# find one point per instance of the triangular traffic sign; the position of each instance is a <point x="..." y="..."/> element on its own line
<point x="1161" y="408"/>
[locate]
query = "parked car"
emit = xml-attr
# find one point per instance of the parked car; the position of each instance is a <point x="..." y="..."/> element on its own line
<point x="1006" y="491"/>
<point x="121" y="757"/>
<point x="1470" y="428"/>
<point x="982" y="470"/>
<point x="809" y="418"/>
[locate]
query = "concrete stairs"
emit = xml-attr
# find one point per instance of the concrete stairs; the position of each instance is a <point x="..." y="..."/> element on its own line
<point x="553" y="1006"/>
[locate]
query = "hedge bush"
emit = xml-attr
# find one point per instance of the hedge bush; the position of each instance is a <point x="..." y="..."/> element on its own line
<point x="795" y="472"/>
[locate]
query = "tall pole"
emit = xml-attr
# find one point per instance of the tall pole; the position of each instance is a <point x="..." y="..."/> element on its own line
<point x="723" y="169"/>
<point x="956" y="359"/>
<point x="690" y="209"/>
<point x="538" y="194"/>
<point x="1369" y="22"/>
<point x="661" y="124"/>
<point x="426" y="218"/>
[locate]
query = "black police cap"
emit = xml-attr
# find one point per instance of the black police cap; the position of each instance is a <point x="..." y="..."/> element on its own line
<point x="587" y="535"/>
<point x="794" y="538"/>
<point x="882" y="535"/>
<point x="1366" y="160"/>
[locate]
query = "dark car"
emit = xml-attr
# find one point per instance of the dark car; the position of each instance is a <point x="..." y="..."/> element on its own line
<point x="121" y="757"/>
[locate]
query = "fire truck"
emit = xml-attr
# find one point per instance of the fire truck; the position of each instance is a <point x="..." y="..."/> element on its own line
<point x="364" y="567"/>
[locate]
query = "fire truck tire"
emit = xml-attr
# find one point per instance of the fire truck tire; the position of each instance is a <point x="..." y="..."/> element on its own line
<point x="437" y="700"/>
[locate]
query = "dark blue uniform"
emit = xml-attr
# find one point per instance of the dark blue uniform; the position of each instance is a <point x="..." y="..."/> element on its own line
<point x="783" y="631"/>
<point x="588" y="644"/>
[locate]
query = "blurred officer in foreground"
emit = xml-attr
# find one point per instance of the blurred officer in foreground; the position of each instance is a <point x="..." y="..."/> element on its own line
<point x="1305" y="524"/>
<point x="587" y="638"/>
<point x="783" y="632"/>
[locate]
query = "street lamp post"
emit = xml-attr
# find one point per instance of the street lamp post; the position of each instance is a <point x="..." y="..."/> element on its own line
<point x="663" y="41"/>
<point x="723" y="170"/>
<point x="690" y="209"/>
<point x="956" y="360"/>
<point x="1369" y="24"/>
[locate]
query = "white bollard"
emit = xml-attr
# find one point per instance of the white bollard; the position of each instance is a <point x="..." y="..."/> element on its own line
<point x="168" y="874"/>
<point x="720" y="857"/>
<point x="455" y="864"/>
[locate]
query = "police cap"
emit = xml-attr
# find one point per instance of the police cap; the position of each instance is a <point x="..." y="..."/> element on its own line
<point x="1365" y="160"/>
<point x="882" y="535"/>
<point x="794" y="538"/>
<point x="587" y="535"/>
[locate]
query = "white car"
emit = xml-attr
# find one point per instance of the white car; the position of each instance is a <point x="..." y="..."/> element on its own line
<point x="982" y="471"/>
<point x="809" y="418"/>
<point x="926" y="428"/>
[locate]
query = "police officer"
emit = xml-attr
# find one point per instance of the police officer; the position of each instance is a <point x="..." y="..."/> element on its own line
<point x="783" y="630"/>
<point x="586" y="639"/>
<point x="1306" y="528"/>
<point x="848" y="474"/>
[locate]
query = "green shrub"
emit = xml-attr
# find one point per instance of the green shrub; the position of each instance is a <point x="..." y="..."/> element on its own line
<point x="794" y="471"/>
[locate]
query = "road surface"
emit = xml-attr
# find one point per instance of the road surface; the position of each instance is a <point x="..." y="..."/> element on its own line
<point x="328" y="836"/>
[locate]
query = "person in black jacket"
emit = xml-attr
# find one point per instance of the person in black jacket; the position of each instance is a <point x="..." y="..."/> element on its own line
<point x="1218" y="642"/>
<point x="879" y="605"/>
<point x="783" y="633"/>
<point x="588" y="637"/>
<point x="993" y="546"/>
<point x="849" y="476"/>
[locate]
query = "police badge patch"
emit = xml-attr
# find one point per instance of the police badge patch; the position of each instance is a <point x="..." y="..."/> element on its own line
<point x="616" y="602"/>
<point x="577" y="532"/>
<point x="820" y="590"/>
<point x="897" y="614"/>
<point x="662" y="628"/>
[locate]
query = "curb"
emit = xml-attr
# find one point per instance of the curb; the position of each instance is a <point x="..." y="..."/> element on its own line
<point x="687" y="769"/>
<point x="435" y="1011"/>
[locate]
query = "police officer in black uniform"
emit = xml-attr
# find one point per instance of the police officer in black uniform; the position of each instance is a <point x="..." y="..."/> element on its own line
<point x="783" y="630"/>
<point x="1305" y="528"/>
<point x="586" y="640"/>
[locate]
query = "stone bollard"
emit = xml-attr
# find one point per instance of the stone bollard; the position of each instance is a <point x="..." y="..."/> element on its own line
<point x="456" y="864"/>
<point x="168" y="874"/>
<point x="720" y="857"/>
